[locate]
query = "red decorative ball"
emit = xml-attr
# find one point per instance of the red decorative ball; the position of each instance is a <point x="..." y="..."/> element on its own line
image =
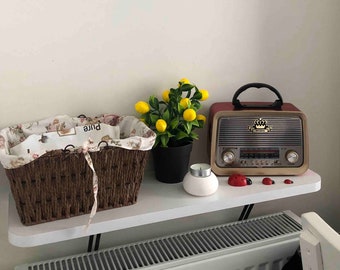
<point x="268" y="181"/>
<point x="237" y="180"/>
<point x="288" y="181"/>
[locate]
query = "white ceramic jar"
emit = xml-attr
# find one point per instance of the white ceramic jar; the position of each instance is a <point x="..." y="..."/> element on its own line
<point x="200" y="181"/>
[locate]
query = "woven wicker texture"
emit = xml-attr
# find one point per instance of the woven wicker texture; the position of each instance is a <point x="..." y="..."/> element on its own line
<point x="58" y="185"/>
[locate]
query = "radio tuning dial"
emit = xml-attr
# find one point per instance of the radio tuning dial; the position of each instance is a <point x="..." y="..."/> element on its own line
<point x="292" y="156"/>
<point x="228" y="157"/>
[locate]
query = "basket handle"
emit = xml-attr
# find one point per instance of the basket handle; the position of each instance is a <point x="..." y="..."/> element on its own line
<point x="106" y="144"/>
<point x="66" y="150"/>
<point x="275" y="105"/>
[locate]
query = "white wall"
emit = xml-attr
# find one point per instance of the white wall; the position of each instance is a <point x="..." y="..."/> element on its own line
<point x="82" y="56"/>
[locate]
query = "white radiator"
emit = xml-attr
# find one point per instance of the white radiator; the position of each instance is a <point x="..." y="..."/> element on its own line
<point x="264" y="243"/>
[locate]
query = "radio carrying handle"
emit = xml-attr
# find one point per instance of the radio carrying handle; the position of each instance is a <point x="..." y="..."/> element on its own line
<point x="275" y="105"/>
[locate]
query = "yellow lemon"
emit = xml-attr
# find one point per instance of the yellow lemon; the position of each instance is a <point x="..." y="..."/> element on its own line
<point x="185" y="102"/>
<point x="165" y="95"/>
<point x="142" y="107"/>
<point x="189" y="115"/>
<point x="161" y="125"/>
<point x="201" y="117"/>
<point x="205" y="94"/>
<point x="184" y="81"/>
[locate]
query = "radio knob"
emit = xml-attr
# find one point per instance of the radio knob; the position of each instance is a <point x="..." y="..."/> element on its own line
<point x="228" y="157"/>
<point x="292" y="156"/>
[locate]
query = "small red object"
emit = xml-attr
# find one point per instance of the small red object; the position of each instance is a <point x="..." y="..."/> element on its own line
<point x="237" y="180"/>
<point x="268" y="181"/>
<point x="288" y="181"/>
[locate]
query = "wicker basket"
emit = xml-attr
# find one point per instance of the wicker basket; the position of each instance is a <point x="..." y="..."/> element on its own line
<point x="58" y="185"/>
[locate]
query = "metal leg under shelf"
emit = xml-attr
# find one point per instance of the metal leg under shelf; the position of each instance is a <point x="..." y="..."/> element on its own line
<point x="96" y="244"/>
<point x="246" y="211"/>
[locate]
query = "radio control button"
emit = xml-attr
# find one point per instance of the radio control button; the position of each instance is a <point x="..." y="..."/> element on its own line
<point x="292" y="157"/>
<point x="228" y="157"/>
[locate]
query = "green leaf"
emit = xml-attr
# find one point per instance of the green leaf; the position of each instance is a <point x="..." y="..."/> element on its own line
<point x="174" y="93"/>
<point x="186" y="87"/>
<point x="194" y="135"/>
<point x="147" y="119"/>
<point x="197" y="95"/>
<point x="174" y="123"/>
<point x="166" y="115"/>
<point x="201" y="123"/>
<point x="195" y="104"/>
<point x="180" y="109"/>
<point x="154" y="102"/>
<point x="154" y="118"/>
<point x="195" y="123"/>
<point x="181" y="135"/>
<point x="157" y="141"/>
<point x="164" y="139"/>
<point x="188" y="127"/>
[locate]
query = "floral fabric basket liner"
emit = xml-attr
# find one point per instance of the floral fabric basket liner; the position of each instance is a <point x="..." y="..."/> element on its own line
<point x="24" y="143"/>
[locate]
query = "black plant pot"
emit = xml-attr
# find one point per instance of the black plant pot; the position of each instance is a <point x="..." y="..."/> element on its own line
<point x="171" y="163"/>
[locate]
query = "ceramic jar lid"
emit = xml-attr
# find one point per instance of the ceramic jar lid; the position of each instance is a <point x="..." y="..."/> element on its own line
<point x="200" y="170"/>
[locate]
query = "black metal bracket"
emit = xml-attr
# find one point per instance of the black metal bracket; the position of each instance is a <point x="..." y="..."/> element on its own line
<point x="246" y="211"/>
<point x="96" y="244"/>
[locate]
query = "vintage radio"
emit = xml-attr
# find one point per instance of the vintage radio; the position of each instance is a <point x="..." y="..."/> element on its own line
<point x="258" y="138"/>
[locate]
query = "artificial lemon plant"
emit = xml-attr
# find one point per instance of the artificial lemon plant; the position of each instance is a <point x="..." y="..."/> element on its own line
<point x="175" y="117"/>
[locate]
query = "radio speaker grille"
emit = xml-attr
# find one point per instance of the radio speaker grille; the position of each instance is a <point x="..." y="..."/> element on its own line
<point x="284" y="132"/>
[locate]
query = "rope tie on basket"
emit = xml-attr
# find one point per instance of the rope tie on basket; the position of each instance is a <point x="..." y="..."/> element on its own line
<point x="89" y="146"/>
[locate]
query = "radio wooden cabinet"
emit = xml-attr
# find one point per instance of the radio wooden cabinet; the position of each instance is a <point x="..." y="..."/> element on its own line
<point x="258" y="138"/>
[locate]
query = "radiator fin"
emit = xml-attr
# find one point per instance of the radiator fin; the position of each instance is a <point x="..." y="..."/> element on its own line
<point x="177" y="247"/>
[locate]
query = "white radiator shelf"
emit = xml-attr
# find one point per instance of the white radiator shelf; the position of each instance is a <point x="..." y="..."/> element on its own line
<point x="158" y="202"/>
